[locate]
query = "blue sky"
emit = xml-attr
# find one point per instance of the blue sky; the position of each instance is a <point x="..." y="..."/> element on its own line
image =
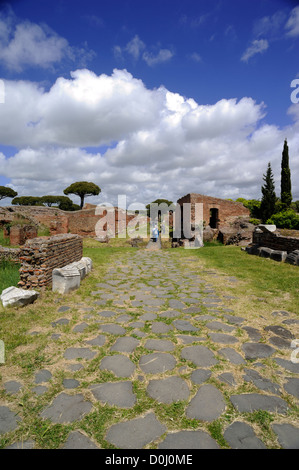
<point x="148" y="98"/>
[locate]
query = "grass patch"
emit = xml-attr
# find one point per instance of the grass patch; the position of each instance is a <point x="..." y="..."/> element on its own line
<point x="9" y="274"/>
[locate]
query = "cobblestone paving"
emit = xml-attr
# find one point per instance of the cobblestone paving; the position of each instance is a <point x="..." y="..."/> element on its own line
<point x="161" y="351"/>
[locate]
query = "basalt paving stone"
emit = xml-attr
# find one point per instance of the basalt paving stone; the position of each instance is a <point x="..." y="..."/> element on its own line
<point x="125" y="344"/>
<point x="123" y="318"/>
<point x="287" y="365"/>
<point x="188" y="440"/>
<point x="279" y="331"/>
<point x="80" y="328"/>
<point x="204" y="318"/>
<point x="161" y="327"/>
<point x="148" y="317"/>
<point x="234" y="319"/>
<point x="253" y="333"/>
<point x="187" y="339"/>
<point x="223" y="338"/>
<point x="64" y="308"/>
<point x="137" y="324"/>
<point x="231" y="355"/>
<point x="8" y="420"/>
<point x="207" y="405"/>
<point x="157" y="363"/>
<point x="120" y="365"/>
<point x="99" y="340"/>
<point x="240" y="435"/>
<point x="170" y="314"/>
<point x="113" y="329"/>
<point x="76" y="353"/>
<point x="136" y="433"/>
<point x="176" y="304"/>
<point x="249" y="402"/>
<point x="22" y="445"/>
<point x="40" y="389"/>
<point x="287" y="434"/>
<point x="159" y="345"/>
<point x="184" y="325"/>
<point x="107" y="313"/>
<point x="191" y="310"/>
<point x="12" y="387"/>
<point x="67" y="408"/>
<point x="61" y="321"/>
<point x="43" y="375"/>
<point x="257" y="350"/>
<point x="200" y="355"/>
<point x="77" y="440"/>
<point x="70" y="383"/>
<point x="227" y="378"/>
<point x="260" y="382"/>
<point x="279" y="342"/>
<point x="168" y="390"/>
<point x="292" y="387"/>
<point x="115" y="393"/>
<point x="200" y="376"/>
<point x="218" y="326"/>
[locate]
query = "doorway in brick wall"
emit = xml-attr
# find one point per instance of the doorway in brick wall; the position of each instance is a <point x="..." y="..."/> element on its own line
<point x="214" y="217"/>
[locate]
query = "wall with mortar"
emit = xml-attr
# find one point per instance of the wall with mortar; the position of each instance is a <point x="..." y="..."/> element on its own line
<point x="228" y="211"/>
<point x="39" y="256"/>
<point x="275" y="241"/>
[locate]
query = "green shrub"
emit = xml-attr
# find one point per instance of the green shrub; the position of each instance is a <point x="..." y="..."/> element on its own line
<point x="285" y="219"/>
<point x="255" y="221"/>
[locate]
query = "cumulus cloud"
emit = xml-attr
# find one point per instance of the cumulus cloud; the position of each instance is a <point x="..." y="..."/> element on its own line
<point x="257" y="47"/>
<point x="137" y="49"/>
<point x="292" y="24"/>
<point x="145" y="143"/>
<point x="24" y="44"/>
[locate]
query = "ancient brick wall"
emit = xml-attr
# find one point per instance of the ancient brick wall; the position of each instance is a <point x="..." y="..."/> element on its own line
<point x="226" y="212"/>
<point x="39" y="256"/>
<point x="18" y="234"/>
<point x="10" y="254"/>
<point x="275" y="241"/>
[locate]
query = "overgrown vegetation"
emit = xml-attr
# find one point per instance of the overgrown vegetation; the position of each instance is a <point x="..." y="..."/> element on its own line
<point x="9" y="274"/>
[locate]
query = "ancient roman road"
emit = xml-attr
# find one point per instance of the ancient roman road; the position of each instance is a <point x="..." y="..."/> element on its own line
<point x="157" y="348"/>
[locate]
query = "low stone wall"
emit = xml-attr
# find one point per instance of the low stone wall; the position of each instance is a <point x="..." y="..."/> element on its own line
<point x="39" y="256"/>
<point x="10" y="254"/>
<point x="274" y="240"/>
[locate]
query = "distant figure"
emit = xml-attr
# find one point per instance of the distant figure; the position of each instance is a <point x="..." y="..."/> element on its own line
<point x="155" y="233"/>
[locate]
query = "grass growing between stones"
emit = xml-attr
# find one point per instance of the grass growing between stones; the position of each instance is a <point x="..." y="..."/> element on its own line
<point x="29" y="347"/>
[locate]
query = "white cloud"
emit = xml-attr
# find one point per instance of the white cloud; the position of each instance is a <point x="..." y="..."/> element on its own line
<point x="292" y="25"/>
<point x="159" y="144"/>
<point x="24" y="44"/>
<point x="162" y="56"/>
<point x="257" y="46"/>
<point x="137" y="49"/>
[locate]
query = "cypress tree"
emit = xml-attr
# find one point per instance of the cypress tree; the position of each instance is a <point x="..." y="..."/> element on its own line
<point x="285" y="192"/>
<point x="269" y="197"/>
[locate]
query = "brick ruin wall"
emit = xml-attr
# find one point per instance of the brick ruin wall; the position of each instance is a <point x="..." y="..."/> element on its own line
<point x="275" y="241"/>
<point x="82" y="222"/>
<point x="228" y="211"/>
<point x="39" y="256"/>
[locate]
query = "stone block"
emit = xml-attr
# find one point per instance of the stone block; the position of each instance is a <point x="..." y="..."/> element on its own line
<point x="293" y="257"/>
<point x="278" y="255"/>
<point x="16" y="297"/>
<point x="65" y="279"/>
<point x="265" y="252"/>
<point x="267" y="228"/>
<point x="252" y="250"/>
<point x="88" y="263"/>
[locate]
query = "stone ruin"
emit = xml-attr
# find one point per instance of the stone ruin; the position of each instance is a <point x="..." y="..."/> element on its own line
<point x="267" y="242"/>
